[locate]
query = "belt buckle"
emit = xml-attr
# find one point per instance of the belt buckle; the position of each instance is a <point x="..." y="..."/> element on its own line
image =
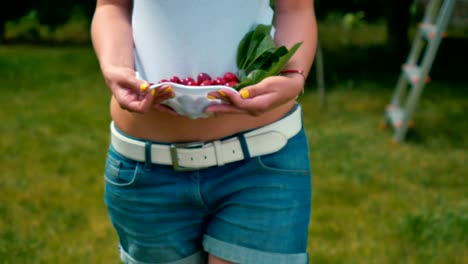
<point x="175" y="158"/>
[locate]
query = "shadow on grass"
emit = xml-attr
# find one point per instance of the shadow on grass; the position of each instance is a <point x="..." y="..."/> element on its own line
<point x="447" y="131"/>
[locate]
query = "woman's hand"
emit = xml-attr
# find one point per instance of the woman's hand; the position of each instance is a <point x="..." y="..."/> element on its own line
<point x="133" y="94"/>
<point x="259" y="98"/>
<point x="294" y="22"/>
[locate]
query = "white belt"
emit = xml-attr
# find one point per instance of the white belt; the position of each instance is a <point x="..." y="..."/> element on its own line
<point x="196" y="155"/>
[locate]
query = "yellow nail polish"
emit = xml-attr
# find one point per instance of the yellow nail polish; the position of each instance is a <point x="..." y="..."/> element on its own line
<point x="210" y="97"/>
<point x="154" y="92"/>
<point x="167" y="90"/>
<point x="244" y="94"/>
<point x="144" y="87"/>
<point x="221" y="92"/>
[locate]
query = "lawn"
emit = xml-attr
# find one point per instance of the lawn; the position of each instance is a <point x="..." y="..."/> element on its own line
<point x="373" y="202"/>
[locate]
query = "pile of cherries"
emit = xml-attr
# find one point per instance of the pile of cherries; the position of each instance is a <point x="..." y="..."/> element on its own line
<point x="204" y="79"/>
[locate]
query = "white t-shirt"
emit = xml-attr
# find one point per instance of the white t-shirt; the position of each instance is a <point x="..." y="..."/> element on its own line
<point x="187" y="37"/>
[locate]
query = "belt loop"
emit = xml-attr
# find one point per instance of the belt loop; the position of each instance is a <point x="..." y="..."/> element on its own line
<point x="218" y="153"/>
<point x="148" y="158"/>
<point x="244" y="146"/>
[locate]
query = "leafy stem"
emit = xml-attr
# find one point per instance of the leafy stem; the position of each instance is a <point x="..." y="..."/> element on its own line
<point x="258" y="57"/>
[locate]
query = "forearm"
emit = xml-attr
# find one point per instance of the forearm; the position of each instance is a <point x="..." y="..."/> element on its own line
<point x="295" y="22"/>
<point x="111" y="34"/>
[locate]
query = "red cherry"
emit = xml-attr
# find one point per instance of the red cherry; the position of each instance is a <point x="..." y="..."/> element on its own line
<point x="190" y="79"/>
<point x="219" y="81"/>
<point x="231" y="77"/>
<point x="191" y="83"/>
<point x="205" y="83"/>
<point x="231" y="83"/>
<point x="203" y="77"/>
<point x="163" y="81"/>
<point x="187" y="80"/>
<point x="175" y="79"/>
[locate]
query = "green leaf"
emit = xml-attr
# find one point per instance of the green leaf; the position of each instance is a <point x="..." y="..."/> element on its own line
<point x="241" y="74"/>
<point x="259" y="41"/>
<point x="259" y="62"/>
<point x="267" y="59"/>
<point x="243" y="48"/>
<point x="275" y="57"/>
<point x="252" y="78"/>
<point x="259" y="56"/>
<point x="278" y="66"/>
<point x="266" y="43"/>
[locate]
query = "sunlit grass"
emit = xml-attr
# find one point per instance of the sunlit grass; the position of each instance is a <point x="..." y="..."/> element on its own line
<point x="373" y="202"/>
<point x="54" y="116"/>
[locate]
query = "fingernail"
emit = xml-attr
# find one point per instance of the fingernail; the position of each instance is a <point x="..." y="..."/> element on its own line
<point x="244" y="94"/>
<point x="154" y="92"/>
<point x="144" y="87"/>
<point x="167" y="90"/>
<point x="211" y="97"/>
<point x="221" y="92"/>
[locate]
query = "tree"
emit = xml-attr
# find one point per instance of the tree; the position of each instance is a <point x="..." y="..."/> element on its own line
<point x="396" y="13"/>
<point x="398" y="24"/>
<point x="16" y="9"/>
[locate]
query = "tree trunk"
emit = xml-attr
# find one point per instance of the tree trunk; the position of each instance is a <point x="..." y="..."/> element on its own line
<point x="398" y="23"/>
<point x="2" y="31"/>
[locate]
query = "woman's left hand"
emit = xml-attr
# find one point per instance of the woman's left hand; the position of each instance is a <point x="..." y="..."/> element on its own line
<point x="261" y="97"/>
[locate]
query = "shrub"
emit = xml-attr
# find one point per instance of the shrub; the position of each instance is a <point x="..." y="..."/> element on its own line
<point x="28" y="29"/>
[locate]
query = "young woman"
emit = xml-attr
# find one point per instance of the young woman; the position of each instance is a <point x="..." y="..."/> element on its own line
<point x="232" y="187"/>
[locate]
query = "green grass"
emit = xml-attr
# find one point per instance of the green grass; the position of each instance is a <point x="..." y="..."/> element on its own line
<point x="373" y="202"/>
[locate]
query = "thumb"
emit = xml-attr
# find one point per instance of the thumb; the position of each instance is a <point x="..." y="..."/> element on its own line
<point x="253" y="91"/>
<point x="142" y="85"/>
<point x="132" y="82"/>
<point x="244" y="93"/>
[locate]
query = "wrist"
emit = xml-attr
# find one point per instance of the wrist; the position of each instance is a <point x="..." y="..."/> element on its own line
<point x="297" y="75"/>
<point x="297" y="79"/>
<point x="107" y="69"/>
<point x="293" y="72"/>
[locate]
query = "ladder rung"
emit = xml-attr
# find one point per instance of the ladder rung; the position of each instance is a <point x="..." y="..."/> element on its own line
<point x="413" y="73"/>
<point x="395" y="115"/>
<point x="429" y="31"/>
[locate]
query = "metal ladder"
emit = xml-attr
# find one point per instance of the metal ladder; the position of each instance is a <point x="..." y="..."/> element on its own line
<point x="415" y="72"/>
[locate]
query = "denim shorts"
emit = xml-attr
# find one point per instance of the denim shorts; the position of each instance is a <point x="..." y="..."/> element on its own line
<point x="250" y="211"/>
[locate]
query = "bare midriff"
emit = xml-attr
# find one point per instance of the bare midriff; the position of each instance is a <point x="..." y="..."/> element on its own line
<point x="163" y="127"/>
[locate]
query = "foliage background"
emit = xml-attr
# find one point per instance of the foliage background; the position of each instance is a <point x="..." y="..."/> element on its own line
<point x="51" y="14"/>
<point x="373" y="202"/>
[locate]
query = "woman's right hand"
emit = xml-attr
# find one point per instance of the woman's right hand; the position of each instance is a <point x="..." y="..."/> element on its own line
<point x="133" y="94"/>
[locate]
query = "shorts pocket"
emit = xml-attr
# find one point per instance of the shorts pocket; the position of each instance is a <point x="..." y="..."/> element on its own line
<point x="120" y="171"/>
<point x="291" y="159"/>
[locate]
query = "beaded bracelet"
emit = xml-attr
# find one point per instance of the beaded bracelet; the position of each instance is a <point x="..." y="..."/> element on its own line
<point x="301" y="72"/>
